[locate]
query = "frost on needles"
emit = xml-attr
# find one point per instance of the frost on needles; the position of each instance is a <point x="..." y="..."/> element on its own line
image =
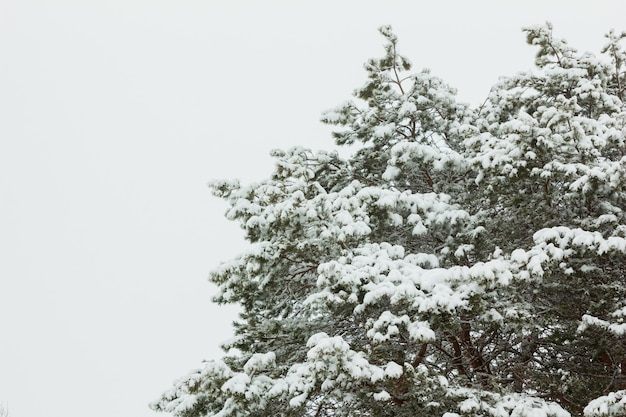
<point x="463" y="262"/>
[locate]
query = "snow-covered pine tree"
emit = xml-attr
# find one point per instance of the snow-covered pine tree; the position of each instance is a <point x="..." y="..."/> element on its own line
<point x="463" y="262"/>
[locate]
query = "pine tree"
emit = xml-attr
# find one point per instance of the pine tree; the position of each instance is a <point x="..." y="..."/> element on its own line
<point x="463" y="262"/>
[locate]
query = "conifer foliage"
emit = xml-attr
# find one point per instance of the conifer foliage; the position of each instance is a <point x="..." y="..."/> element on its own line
<point x="463" y="262"/>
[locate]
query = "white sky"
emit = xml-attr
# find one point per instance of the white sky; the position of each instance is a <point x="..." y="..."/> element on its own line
<point x="113" y="116"/>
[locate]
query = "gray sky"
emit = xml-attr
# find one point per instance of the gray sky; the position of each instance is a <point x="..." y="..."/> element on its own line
<point x="113" y="116"/>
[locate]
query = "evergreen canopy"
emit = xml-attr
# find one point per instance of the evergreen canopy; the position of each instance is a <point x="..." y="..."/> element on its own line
<point x="463" y="262"/>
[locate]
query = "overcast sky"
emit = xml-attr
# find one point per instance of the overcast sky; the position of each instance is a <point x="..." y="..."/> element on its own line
<point x="114" y="114"/>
